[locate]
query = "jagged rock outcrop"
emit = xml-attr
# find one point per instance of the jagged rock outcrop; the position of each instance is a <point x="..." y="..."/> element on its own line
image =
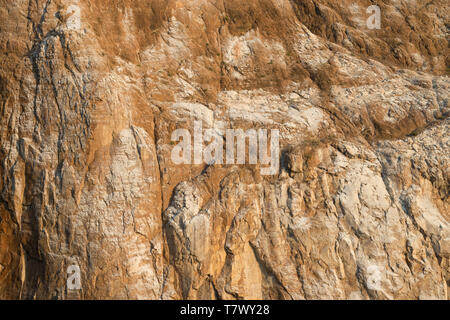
<point x="91" y="91"/>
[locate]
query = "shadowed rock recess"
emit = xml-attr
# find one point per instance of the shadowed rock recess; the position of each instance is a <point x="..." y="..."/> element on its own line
<point x="91" y="91"/>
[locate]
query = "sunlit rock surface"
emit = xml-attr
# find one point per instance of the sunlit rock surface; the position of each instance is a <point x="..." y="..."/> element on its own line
<point x="91" y="91"/>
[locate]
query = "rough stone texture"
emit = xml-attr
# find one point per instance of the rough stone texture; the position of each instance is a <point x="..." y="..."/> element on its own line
<point x="90" y="92"/>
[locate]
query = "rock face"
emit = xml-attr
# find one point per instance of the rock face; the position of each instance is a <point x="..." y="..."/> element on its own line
<point x="91" y="91"/>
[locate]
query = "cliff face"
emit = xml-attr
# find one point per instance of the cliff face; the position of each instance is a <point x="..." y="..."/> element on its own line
<point x="91" y="91"/>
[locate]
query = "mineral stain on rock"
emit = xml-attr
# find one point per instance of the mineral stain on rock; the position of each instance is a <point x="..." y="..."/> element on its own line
<point x="91" y="91"/>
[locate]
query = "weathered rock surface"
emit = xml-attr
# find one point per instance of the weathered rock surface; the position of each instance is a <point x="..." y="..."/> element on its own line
<point x="91" y="91"/>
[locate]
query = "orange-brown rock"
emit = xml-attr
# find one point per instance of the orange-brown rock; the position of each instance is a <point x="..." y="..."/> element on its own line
<point x="91" y="91"/>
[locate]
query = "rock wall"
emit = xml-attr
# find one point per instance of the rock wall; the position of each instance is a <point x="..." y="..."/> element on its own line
<point x="91" y="91"/>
